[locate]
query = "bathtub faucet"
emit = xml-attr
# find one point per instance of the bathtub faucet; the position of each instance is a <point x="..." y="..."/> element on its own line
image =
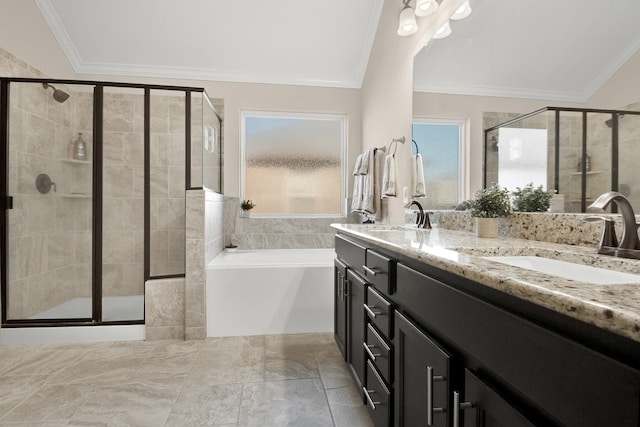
<point x="629" y="246"/>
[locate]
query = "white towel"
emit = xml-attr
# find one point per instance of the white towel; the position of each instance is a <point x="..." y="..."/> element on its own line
<point x="356" y="167"/>
<point x="367" y="161"/>
<point x="389" y="177"/>
<point x="368" y="187"/>
<point x="417" y="177"/>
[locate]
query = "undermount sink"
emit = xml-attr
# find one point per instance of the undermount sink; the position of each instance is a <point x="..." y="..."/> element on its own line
<point x="568" y="270"/>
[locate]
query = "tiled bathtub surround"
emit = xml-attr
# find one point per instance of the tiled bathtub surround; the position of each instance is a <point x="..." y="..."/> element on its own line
<point x="164" y="309"/>
<point x="275" y="233"/>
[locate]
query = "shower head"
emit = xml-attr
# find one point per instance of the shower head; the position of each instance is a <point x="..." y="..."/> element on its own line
<point x="58" y="95"/>
<point x="609" y="122"/>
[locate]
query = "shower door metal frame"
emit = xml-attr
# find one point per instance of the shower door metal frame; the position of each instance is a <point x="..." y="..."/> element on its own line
<point x="615" y="114"/>
<point x="97" y="189"/>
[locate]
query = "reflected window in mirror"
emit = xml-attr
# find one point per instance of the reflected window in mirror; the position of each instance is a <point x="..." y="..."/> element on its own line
<point x="441" y="147"/>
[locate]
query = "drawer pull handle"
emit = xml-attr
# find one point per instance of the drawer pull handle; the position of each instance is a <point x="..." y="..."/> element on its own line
<point x="371" y="402"/>
<point x="368" y="348"/>
<point x="430" y="409"/>
<point x="457" y="407"/>
<point x="371" y="312"/>
<point x="371" y="271"/>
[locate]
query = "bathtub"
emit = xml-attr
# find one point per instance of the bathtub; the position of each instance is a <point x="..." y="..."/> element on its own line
<point x="275" y="291"/>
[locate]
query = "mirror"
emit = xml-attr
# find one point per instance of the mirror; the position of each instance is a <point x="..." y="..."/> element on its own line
<point x="498" y="60"/>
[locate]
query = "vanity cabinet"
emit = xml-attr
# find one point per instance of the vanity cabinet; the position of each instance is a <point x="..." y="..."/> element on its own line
<point x="356" y="287"/>
<point x="441" y="350"/>
<point x="422" y="377"/>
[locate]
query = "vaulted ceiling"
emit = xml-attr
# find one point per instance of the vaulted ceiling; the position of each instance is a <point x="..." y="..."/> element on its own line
<point x="557" y="50"/>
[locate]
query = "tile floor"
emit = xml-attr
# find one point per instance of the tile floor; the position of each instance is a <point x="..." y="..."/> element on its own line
<point x="274" y="380"/>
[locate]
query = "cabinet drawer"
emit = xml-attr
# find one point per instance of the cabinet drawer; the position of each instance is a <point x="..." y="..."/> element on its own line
<point x="378" y="398"/>
<point x="379" y="271"/>
<point x="380" y="312"/>
<point x="378" y="352"/>
<point x="352" y="254"/>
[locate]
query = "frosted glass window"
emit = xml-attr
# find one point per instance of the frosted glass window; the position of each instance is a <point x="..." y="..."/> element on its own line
<point x="293" y="163"/>
<point x="441" y="146"/>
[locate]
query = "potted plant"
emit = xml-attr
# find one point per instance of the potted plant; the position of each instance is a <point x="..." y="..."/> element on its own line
<point x="530" y="199"/>
<point x="246" y="206"/>
<point x="489" y="205"/>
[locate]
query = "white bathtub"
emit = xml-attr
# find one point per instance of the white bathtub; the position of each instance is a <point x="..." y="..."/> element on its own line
<point x="275" y="291"/>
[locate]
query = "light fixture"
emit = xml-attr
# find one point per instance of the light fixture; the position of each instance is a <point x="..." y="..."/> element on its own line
<point x="443" y="31"/>
<point x="462" y="12"/>
<point x="426" y="7"/>
<point x="407" y="24"/>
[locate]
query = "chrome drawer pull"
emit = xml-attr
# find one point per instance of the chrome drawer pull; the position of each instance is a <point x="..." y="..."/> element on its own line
<point x="371" y="312"/>
<point x="371" y="402"/>
<point x="371" y="271"/>
<point x="430" y="409"/>
<point x="368" y="348"/>
<point x="457" y="407"/>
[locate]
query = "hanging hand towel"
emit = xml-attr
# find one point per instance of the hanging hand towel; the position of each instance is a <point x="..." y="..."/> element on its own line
<point x="417" y="176"/>
<point x="356" y="167"/>
<point x="389" y="177"/>
<point x="366" y="162"/>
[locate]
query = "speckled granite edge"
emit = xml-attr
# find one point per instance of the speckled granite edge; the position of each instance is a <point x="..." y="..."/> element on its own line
<point x="615" y="308"/>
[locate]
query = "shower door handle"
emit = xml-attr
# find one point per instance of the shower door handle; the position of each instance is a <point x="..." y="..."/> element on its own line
<point x="8" y="203"/>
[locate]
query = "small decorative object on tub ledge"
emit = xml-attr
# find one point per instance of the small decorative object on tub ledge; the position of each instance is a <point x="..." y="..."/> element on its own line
<point x="489" y="205"/>
<point x="246" y="206"/>
<point x="230" y="248"/>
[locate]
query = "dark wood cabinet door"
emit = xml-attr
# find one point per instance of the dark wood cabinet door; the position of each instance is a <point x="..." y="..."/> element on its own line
<point x="340" y="307"/>
<point x="422" y="378"/>
<point x="485" y="408"/>
<point x="356" y="288"/>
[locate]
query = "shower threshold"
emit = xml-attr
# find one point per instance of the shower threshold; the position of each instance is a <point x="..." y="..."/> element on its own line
<point x="120" y="308"/>
<point x="113" y="309"/>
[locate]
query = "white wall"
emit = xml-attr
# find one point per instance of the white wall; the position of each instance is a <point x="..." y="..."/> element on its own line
<point x="387" y="89"/>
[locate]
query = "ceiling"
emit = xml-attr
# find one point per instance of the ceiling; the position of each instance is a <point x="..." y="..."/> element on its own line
<point x="316" y="43"/>
<point x="538" y="49"/>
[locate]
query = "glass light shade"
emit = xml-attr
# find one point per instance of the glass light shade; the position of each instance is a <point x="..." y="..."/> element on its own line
<point x="407" y="24"/>
<point x="463" y="11"/>
<point x="443" y="31"/>
<point x="426" y="7"/>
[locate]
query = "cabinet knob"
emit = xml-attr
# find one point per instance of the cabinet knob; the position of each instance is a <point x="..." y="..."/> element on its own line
<point x="430" y="409"/>
<point x="457" y="407"/>
<point x="371" y="271"/>
<point x="368" y="348"/>
<point x="368" y="396"/>
<point x="369" y="309"/>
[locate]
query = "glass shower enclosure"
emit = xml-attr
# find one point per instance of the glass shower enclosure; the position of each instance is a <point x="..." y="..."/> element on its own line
<point x="581" y="153"/>
<point x="93" y="196"/>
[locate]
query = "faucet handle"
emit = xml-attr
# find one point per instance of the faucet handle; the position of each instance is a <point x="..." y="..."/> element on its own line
<point x="608" y="237"/>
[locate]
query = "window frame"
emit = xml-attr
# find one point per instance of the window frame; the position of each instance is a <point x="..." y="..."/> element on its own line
<point x="268" y="114"/>
<point x="463" y="150"/>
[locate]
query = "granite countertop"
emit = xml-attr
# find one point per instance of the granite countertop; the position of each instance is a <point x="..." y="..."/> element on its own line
<point x="613" y="307"/>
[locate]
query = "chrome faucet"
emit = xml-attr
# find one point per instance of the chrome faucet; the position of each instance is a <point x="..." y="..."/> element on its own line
<point x="629" y="246"/>
<point x="422" y="219"/>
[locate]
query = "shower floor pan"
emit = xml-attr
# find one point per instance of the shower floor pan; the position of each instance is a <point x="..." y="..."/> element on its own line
<point x="113" y="309"/>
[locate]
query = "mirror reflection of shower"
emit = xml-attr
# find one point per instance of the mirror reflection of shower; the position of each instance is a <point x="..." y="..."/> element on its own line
<point x="58" y="94"/>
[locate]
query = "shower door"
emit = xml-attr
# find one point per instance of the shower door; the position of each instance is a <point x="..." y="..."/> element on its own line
<point x="49" y="220"/>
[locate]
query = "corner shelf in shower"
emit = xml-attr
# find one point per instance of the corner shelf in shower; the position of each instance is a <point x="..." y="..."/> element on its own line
<point x="588" y="173"/>
<point x="76" y="196"/>
<point x="79" y="162"/>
